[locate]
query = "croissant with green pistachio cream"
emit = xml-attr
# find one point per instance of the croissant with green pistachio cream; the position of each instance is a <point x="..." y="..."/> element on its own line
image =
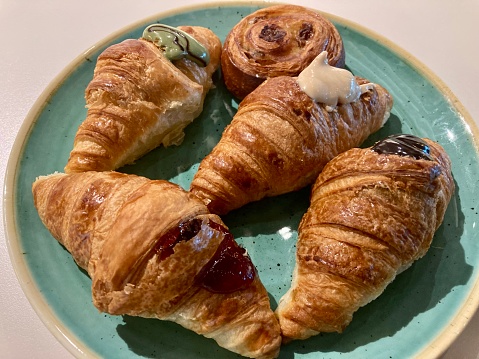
<point x="153" y="250"/>
<point x="144" y="92"/>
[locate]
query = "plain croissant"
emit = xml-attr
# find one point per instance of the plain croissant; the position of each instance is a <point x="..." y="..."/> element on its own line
<point x="153" y="250"/>
<point x="138" y="100"/>
<point x="373" y="212"/>
<point x="280" y="139"/>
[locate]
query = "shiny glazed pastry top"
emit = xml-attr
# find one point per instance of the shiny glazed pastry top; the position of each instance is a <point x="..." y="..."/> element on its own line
<point x="278" y="40"/>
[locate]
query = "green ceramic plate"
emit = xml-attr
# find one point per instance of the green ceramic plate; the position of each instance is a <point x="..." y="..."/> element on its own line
<point x="419" y="314"/>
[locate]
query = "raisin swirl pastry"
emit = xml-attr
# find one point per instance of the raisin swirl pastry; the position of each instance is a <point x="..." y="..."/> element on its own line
<point x="373" y="212"/>
<point x="153" y="250"/>
<point x="138" y="100"/>
<point x="275" y="41"/>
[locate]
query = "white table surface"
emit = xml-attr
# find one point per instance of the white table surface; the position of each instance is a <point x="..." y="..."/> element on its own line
<point x="39" y="38"/>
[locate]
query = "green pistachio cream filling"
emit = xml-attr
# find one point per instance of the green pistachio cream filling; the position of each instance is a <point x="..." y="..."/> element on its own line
<point x="176" y="44"/>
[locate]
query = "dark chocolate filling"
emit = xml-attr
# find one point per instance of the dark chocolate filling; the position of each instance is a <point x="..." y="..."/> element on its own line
<point x="404" y="145"/>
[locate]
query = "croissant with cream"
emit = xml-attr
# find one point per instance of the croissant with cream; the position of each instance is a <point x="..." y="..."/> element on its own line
<point x="138" y="99"/>
<point x="153" y="250"/>
<point x="280" y="139"/>
<point x="279" y="40"/>
<point x="373" y="212"/>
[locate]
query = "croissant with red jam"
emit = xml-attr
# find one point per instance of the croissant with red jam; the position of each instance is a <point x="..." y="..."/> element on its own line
<point x="275" y="41"/>
<point x="154" y="250"/>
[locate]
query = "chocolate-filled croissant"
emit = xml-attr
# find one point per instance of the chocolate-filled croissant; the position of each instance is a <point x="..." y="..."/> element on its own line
<point x="275" y="41"/>
<point x="138" y="99"/>
<point x="280" y="139"/>
<point x="373" y="212"/>
<point x="153" y="250"/>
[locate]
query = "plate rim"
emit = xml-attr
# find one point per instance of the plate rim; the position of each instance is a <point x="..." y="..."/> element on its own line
<point x="65" y="336"/>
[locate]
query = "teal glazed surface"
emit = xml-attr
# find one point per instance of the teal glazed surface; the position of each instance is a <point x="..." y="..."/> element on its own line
<point x="421" y="303"/>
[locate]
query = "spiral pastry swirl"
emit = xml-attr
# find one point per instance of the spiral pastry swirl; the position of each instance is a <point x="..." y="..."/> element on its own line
<point x="276" y="41"/>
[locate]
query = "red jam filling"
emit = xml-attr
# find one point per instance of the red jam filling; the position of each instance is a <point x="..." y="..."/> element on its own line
<point x="230" y="269"/>
<point x="183" y="232"/>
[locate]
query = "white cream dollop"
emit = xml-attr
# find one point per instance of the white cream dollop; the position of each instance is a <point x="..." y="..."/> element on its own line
<point x="328" y="84"/>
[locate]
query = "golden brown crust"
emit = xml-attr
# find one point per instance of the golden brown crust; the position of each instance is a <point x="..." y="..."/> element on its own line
<point x="279" y="40"/>
<point x="279" y="140"/>
<point x="371" y="216"/>
<point x="113" y="225"/>
<point x="138" y="100"/>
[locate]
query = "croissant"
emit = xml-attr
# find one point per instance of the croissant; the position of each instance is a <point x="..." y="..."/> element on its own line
<point x="373" y="212"/>
<point x="153" y="250"/>
<point x="275" y="41"/>
<point x="138" y="100"/>
<point x="280" y="139"/>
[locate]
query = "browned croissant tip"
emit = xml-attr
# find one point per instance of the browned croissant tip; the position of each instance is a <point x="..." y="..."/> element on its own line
<point x="274" y="41"/>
